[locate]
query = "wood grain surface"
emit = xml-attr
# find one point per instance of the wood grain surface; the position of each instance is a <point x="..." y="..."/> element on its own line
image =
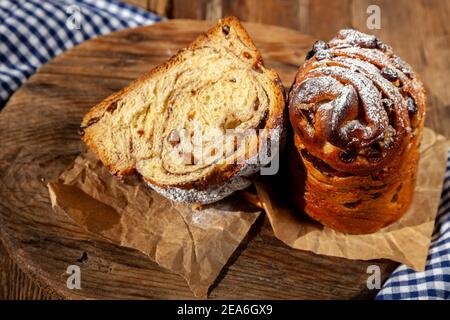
<point x="38" y="130"/>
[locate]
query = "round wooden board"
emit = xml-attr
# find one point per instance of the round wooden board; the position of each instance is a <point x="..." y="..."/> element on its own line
<point x="38" y="134"/>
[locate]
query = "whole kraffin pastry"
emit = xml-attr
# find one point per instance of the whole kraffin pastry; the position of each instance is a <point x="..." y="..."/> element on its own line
<point x="357" y="112"/>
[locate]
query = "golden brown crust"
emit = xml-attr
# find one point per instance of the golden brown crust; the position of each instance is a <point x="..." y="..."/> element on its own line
<point x="357" y="112"/>
<point x="221" y="174"/>
<point x="353" y="204"/>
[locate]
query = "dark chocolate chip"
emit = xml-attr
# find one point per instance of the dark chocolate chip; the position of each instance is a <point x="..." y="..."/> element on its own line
<point x="352" y="205"/>
<point x="392" y="117"/>
<point x="226" y="29"/>
<point x="256" y="104"/>
<point x="374" y="153"/>
<point x="112" y="107"/>
<point x="247" y="55"/>
<point x="389" y="74"/>
<point x="309" y="55"/>
<point x="411" y="105"/>
<point x="92" y="121"/>
<point x="388" y="104"/>
<point x="347" y="156"/>
<point x="370" y="43"/>
<point x="376" y="195"/>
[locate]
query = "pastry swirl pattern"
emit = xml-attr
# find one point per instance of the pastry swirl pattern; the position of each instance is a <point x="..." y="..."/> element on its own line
<point x="355" y="104"/>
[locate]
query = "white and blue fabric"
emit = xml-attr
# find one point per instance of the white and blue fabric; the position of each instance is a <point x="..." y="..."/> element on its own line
<point x="434" y="282"/>
<point x="34" y="31"/>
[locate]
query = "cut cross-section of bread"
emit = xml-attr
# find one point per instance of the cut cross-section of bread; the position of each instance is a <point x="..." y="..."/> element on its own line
<point x="217" y="83"/>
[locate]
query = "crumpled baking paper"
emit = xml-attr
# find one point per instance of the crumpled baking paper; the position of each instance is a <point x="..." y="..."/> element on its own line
<point x="193" y="243"/>
<point x="406" y="241"/>
<point x="198" y="243"/>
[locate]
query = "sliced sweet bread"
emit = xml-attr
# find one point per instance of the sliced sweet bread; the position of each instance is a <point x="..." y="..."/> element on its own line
<point x="217" y="83"/>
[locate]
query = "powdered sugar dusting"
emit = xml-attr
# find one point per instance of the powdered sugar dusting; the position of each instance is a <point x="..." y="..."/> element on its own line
<point x="354" y="38"/>
<point x="311" y="89"/>
<point x="239" y="181"/>
<point x="215" y="193"/>
<point x="356" y="87"/>
<point x="375" y="115"/>
<point x="207" y="196"/>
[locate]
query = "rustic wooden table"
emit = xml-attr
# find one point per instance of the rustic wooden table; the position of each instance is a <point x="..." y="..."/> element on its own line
<point x="262" y="267"/>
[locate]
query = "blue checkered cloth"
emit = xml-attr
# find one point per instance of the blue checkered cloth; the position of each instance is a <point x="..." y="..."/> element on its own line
<point x="434" y="282"/>
<point x="34" y="31"/>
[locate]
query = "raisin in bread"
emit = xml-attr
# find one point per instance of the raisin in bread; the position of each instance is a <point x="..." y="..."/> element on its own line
<point x="217" y="83"/>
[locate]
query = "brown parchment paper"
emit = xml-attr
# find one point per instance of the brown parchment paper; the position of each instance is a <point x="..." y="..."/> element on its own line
<point x="193" y="243"/>
<point x="406" y="241"/>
